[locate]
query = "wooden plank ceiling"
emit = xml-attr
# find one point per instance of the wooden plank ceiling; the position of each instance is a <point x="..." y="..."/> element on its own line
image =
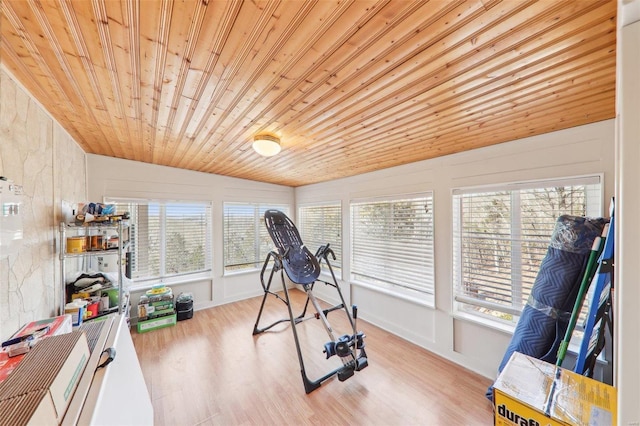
<point x="349" y="86"/>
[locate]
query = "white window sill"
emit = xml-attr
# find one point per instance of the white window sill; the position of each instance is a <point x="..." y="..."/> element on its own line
<point x="245" y="272"/>
<point x="184" y="279"/>
<point x="428" y="301"/>
<point x="328" y="277"/>
<point x="509" y="328"/>
<point x="324" y="275"/>
<point x="501" y="326"/>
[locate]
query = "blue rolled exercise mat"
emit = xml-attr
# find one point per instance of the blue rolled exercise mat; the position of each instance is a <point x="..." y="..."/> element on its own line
<point x="546" y="315"/>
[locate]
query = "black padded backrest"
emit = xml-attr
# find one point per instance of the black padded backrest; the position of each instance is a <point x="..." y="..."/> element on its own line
<point x="300" y="264"/>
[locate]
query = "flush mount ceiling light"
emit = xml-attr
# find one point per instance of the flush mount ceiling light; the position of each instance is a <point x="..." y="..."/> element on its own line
<point x="266" y="145"/>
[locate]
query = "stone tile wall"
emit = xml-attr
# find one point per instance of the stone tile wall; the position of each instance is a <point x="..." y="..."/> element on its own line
<point x="38" y="154"/>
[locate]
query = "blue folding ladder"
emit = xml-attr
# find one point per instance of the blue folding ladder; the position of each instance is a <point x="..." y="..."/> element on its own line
<point x="599" y="316"/>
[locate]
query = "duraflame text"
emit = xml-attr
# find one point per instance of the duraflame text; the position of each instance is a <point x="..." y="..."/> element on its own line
<point x="504" y="412"/>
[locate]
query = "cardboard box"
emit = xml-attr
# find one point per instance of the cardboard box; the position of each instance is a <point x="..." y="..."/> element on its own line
<point x="156" y="304"/>
<point x="154" y="309"/>
<point x="156" y="323"/>
<point x="54" y="366"/>
<point x="33" y="408"/>
<point x="530" y="392"/>
<point x="57" y="325"/>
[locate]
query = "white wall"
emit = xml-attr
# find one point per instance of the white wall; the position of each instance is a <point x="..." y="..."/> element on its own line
<point x="627" y="207"/>
<point x="111" y="177"/>
<point x="578" y="151"/>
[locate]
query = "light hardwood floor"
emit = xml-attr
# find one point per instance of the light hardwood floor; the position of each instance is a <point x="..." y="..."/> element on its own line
<point x="211" y="370"/>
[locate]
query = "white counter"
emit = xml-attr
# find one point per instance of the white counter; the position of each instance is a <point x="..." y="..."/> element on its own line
<point x="115" y="394"/>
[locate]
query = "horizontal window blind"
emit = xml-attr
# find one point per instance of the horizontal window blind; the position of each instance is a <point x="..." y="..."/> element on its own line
<point x="168" y="239"/>
<point x="146" y="240"/>
<point x="501" y="236"/>
<point x="392" y="244"/>
<point x="187" y="235"/>
<point x="321" y="225"/>
<point x="246" y="239"/>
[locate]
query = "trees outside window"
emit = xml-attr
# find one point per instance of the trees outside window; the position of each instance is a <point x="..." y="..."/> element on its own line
<point x="321" y="224"/>
<point x="168" y="239"/>
<point x="501" y="235"/>
<point x="246" y="239"/>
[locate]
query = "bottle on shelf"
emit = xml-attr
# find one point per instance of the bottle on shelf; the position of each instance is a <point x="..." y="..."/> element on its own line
<point x="88" y="255"/>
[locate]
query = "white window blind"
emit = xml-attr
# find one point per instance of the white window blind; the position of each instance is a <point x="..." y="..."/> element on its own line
<point x="501" y="235"/>
<point x="246" y="239"/>
<point x="168" y="239"/>
<point x="321" y="225"/>
<point x="392" y="245"/>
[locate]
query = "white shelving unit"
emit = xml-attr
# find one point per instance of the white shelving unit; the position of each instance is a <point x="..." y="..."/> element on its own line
<point x="103" y="243"/>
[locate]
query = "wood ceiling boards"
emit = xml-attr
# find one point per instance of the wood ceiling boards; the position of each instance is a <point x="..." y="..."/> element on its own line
<point x="349" y="86"/>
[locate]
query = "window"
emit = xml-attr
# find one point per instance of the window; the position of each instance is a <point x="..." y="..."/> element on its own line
<point x="501" y="235"/>
<point x="246" y="239"/>
<point x="168" y="239"/>
<point x="392" y="246"/>
<point x="322" y="224"/>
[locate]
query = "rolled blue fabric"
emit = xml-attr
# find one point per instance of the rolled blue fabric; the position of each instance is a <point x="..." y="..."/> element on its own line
<point x="546" y="315"/>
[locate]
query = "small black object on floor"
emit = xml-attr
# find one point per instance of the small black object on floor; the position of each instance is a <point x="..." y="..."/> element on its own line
<point x="184" y="306"/>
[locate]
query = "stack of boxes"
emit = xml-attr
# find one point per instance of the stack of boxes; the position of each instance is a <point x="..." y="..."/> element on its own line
<point x="156" y="309"/>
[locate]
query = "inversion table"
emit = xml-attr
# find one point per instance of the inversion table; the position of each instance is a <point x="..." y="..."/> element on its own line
<point x="303" y="268"/>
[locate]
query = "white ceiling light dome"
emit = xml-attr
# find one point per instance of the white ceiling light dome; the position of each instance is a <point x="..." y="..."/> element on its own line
<point x="266" y="145"/>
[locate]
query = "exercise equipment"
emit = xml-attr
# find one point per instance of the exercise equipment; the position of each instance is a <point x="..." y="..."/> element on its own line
<point x="303" y="268"/>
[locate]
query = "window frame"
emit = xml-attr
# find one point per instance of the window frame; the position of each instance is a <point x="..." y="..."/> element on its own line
<point x="163" y="276"/>
<point x="258" y="226"/>
<point x="422" y="295"/>
<point x="338" y="264"/>
<point x="461" y="303"/>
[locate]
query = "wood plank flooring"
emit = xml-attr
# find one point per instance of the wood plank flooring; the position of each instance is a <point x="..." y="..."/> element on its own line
<point x="211" y="370"/>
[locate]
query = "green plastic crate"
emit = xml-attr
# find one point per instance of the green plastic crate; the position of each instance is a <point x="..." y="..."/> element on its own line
<point x="156" y="323"/>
